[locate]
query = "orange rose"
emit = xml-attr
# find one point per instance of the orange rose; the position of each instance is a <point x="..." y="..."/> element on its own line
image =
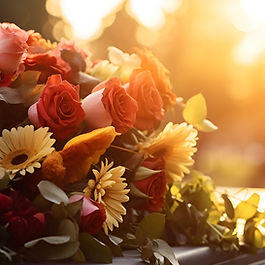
<point x="160" y="76"/>
<point x="46" y="58"/>
<point x="150" y="105"/>
<point x="13" y="45"/>
<point x="110" y="104"/>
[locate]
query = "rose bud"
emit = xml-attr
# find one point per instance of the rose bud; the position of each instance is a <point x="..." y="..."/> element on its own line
<point x="110" y="104"/>
<point x="93" y="214"/>
<point x="58" y="108"/>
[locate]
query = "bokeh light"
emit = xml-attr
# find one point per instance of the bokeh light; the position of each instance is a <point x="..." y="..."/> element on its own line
<point x="209" y="46"/>
<point x="248" y="16"/>
<point x="151" y="13"/>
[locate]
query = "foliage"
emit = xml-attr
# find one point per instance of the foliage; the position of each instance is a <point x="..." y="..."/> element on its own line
<point x="64" y="202"/>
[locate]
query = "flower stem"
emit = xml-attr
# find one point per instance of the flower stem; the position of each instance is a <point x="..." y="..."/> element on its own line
<point x="123" y="149"/>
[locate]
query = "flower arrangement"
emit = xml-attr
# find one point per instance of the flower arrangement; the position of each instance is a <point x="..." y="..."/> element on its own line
<point x="89" y="164"/>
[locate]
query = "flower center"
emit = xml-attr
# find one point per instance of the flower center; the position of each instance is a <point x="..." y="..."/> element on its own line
<point x="19" y="159"/>
<point x="16" y="159"/>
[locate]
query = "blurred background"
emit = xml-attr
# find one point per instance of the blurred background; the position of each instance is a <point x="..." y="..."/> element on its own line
<point x="216" y="47"/>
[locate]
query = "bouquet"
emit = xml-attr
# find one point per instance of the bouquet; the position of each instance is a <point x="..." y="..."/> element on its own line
<point x="90" y="163"/>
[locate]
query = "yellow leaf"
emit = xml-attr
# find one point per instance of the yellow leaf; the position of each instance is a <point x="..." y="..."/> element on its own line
<point x="206" y="126"/>
<point x="258" y="238"/>
<point x="254" y="237"/>
<point x="82" y="151"/>
<point x="248" y="208"/>
<point x="195" y="110"/>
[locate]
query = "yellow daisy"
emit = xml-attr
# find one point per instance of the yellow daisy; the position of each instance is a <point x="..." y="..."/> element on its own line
<point x="22" y="149"/>
<point x="108" y="188"/>
<point x="176" y="145"/>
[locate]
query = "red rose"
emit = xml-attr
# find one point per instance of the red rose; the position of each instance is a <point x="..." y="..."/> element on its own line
<point x="153" y="186"/>
<point x="93" y="214"/>
<point x="21" y="219"/>
<point x="5" y="80"/>
<point x="110" y="104"/>
<point x="150" y="105"/>
<point x="5" y="203"/>
<point x="13" y="45"/>
<point x="58" y="108"/>
<point x="121" y="106"/>
<point x="23" y="229"/>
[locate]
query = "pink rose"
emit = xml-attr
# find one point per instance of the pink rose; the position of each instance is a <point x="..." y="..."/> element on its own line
<point x="13" y="46"/>
<point x="58" y="108"/>
<point x="110" y="104"/>
<point x="93" y="214"/>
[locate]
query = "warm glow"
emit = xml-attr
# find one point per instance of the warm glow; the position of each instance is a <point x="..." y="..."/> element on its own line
<point x="249" y="17"/>
<point x="254" y="9"/>
<point x="151" y="13"/>
<point x="146" y="36"/>
<point x="85" y="16"/>
<point x="88" y="18"/>
<point x="251" y="46"/>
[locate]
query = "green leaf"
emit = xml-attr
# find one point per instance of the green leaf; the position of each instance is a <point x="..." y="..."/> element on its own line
<point x="253" y="235"/>
<point x="45" y="251"/>
<point x="53" y="240"/>
<point x="162" y="248"/>
<point x="79" y="256"/>
<point x="27" y="79"/>
<point x="152" y="227"/>
<point x="248" y="208"/>
<point x="229" y="209"/>
<point x="52" y="193"/>
<point x="59" y="212"/>
<point x="206" y="126"/>
<point x="195" y="110"/>
<point x="112" y="242"/>
<point x="69" y="228"/>
<point x="3" y="233"/>
<point x="75" y="60"/>
<point x="258" y="238"/>
<point x="28" y="88"/>
<point x="144" y="172"/>
<point x="4" y="179"/>
<point x="10" y="95"/>
<point x="74" y="207"/>
<point x="94" y="250"/>
<point x="137" y="193"/>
